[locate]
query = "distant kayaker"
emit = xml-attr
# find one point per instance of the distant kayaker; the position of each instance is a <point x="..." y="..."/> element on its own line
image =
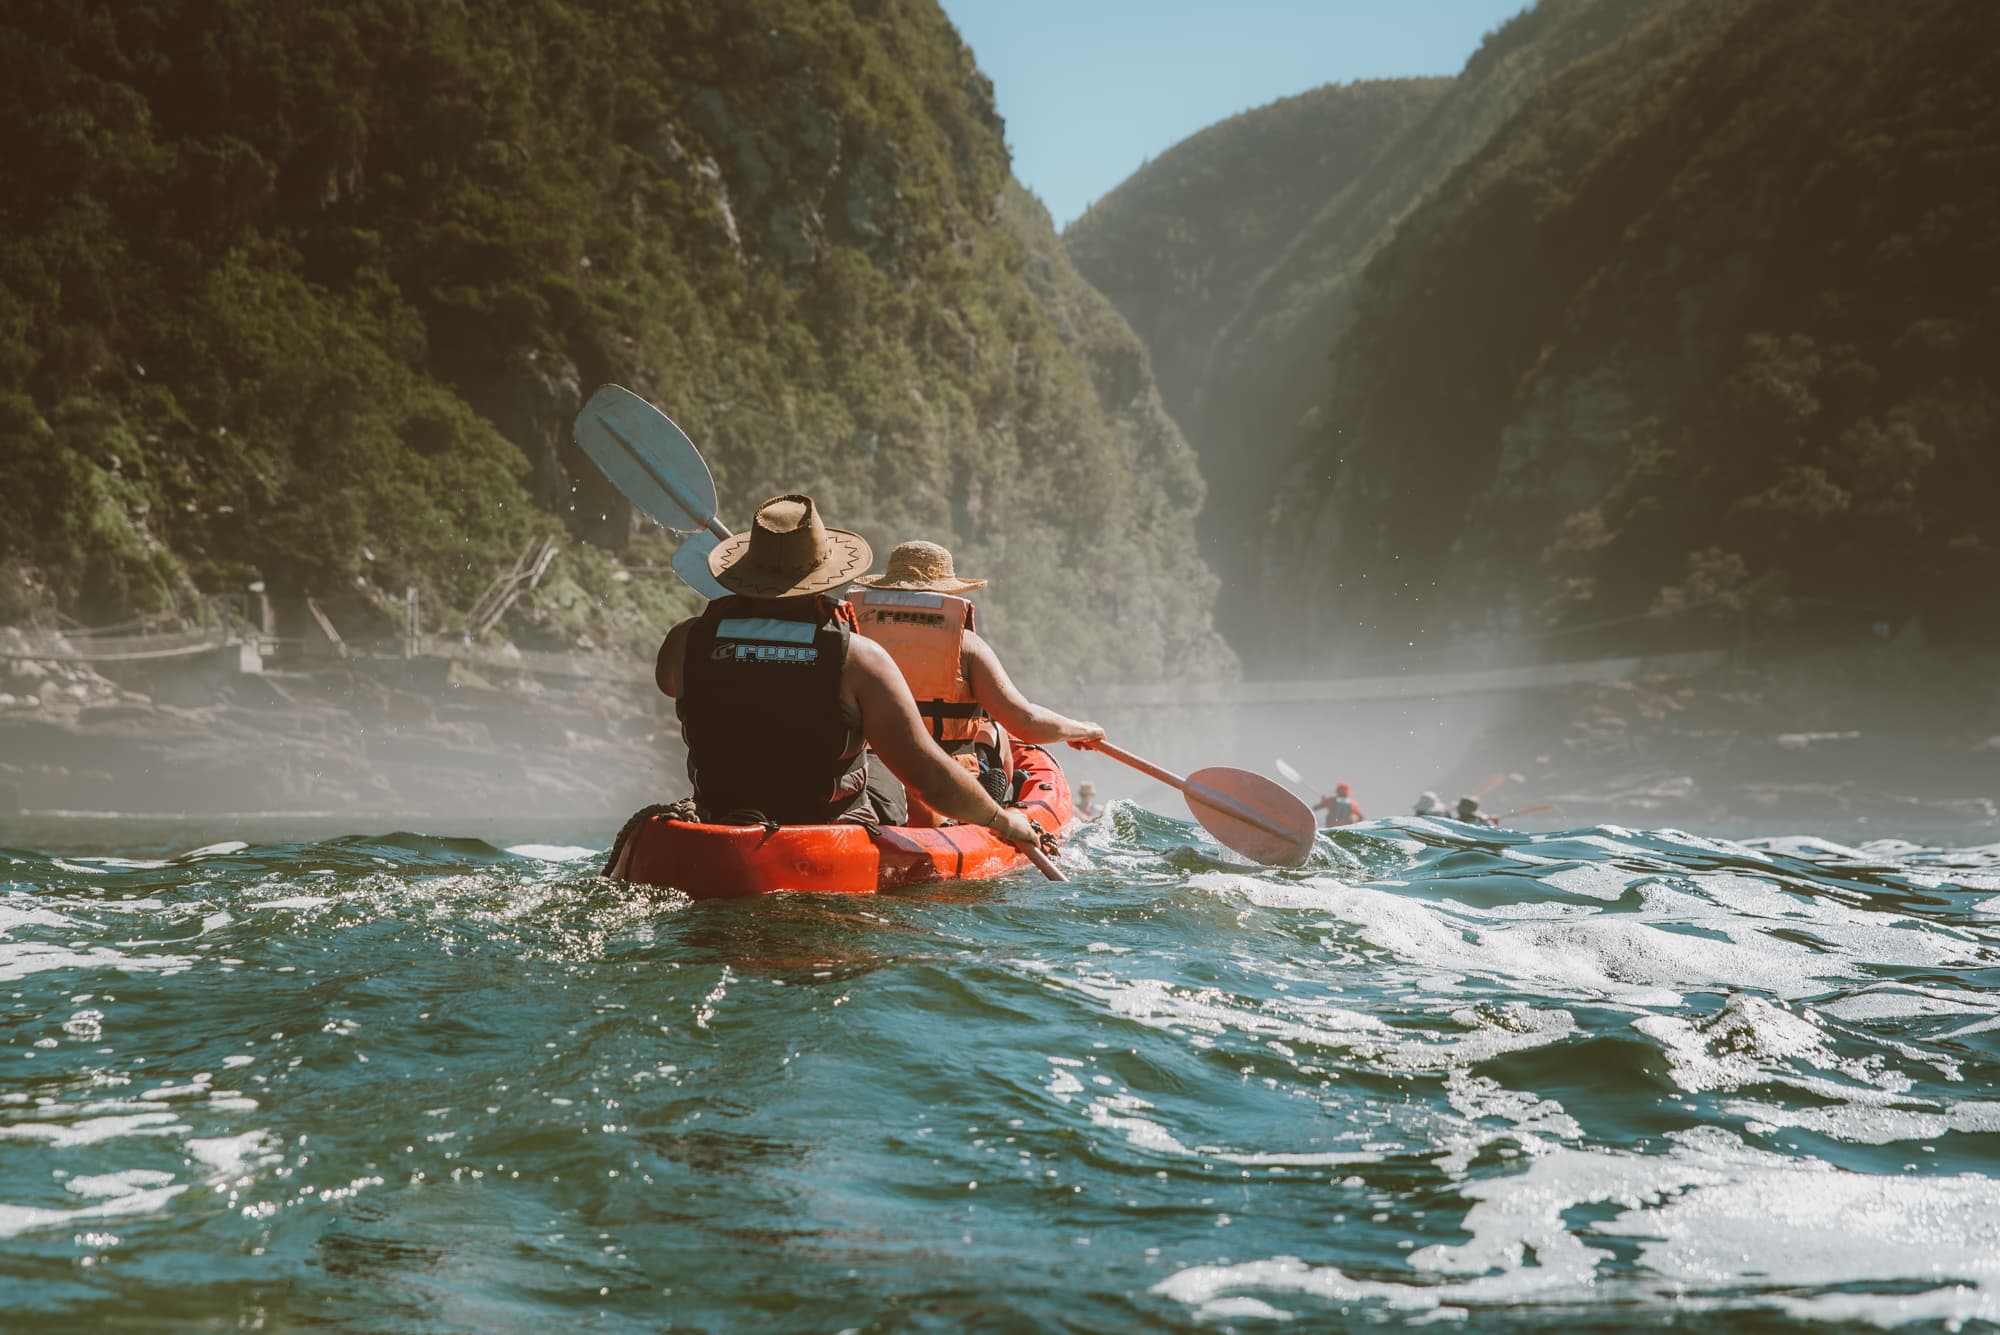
<point x="783" y="706"/>
<point x="1086" y="801"/>
<point x="914" y="610"/>
<point x="1341" y="808"/>
<point x="1429" y="805"/>
<point x="1468" y="811"/>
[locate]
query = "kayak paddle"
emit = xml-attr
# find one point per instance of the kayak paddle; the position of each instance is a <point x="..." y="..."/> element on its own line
<point x="1244" y="811"/>
<point x="657" y="468"/>
<point x="1293" y="776"/>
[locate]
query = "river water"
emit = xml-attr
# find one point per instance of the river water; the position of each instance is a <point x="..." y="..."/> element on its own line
<point x="1604" y="1079"/>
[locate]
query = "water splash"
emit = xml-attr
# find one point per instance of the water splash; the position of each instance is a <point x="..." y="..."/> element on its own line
<point x="433" y="1084"/>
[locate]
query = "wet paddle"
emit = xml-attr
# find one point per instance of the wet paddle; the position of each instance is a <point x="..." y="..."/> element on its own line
<point x="1292" y="776"/>
<point x="1042" y="860"/>
<point x="657" y="468"/>
<point x="1244" y="811"/>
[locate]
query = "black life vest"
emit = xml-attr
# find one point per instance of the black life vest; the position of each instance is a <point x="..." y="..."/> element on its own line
<point x="760" y="711"/>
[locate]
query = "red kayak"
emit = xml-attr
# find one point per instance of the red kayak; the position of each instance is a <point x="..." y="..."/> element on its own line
<point x="731" y="861"/>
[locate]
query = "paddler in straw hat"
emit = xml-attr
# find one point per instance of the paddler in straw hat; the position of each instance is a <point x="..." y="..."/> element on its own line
<point x="782" y="705"/>
<point x="915" y="610"/>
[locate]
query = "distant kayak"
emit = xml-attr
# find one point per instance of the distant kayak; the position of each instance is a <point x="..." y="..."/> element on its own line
<point x="733" y="861"/>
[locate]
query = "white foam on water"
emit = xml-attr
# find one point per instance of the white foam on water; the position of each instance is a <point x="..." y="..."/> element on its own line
<point x="1489" y="1032"/>
<point x="1646" y="958"/>
<point x="292" y="902"/>
<point x="1531" y="1123"/>
<point x="231" y="1155"/>
<point x="1593" y="879"/>
<point x="1898" y="1001"/>
<point x="1702" y="843"/>
<point x="1786" y="1225"/>
<point x="18" y="909"/>
<point x="1716" y="1221"/>
<point x="1871" y="1124"/>
<point x="223" y="849"/>
<point x="90" y="1130"/>
<point x="104" y="1185"/>
<point x="1746" y="1043"/>
<point x="20" y="959"/>
<point x="1251" y="1309"/>
<point x="1208" y="1011"/>
<point x="18" y="1219"/>
<point x="1513" y="854"/>
<point x="554" y="852"/>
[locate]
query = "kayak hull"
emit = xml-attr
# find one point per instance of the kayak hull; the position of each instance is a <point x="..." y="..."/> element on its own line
<point x="737" y="861"/>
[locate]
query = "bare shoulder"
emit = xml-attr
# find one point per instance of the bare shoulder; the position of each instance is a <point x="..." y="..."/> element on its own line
<point x="867" y="660"/>
<point x="975" y="653"/>
<point x="667" y="666"/>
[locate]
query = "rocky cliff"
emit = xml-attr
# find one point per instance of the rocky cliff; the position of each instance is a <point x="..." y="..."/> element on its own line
<point x="1235" y="255"/>
<point x="1705" y="332"/>
<point x="308" y="294"/>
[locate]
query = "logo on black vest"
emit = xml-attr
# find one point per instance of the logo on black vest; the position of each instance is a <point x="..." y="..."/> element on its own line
<point x="738" y="652"/>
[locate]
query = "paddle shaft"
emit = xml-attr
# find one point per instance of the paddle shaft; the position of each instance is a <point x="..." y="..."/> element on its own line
<point x="1220" y="801"/>
<point x="1043" y="861"/>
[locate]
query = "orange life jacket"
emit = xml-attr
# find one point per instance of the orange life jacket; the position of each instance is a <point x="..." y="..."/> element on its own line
<point x="925" y="634"/>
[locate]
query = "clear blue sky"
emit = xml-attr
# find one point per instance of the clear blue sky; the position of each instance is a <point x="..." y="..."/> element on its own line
<point x="1090" y="89"/>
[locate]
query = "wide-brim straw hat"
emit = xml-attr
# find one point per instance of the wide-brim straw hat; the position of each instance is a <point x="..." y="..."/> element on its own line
<point x="788" y="552"/>
<point x="921" y="566"/>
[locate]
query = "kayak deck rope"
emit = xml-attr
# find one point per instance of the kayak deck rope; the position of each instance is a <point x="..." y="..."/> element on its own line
<point x="682" y="810"/>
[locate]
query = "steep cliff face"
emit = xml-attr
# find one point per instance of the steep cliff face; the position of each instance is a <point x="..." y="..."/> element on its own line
<point x="310" y="294"/>
<point x="1707" y="326"/>
<point x="1235" y="255"/>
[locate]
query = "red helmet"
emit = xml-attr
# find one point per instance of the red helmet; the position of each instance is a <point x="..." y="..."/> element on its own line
<point x="1342" y="790"/>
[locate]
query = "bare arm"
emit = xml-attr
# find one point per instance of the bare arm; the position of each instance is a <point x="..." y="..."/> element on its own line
<point x="667" y="667"/>
<point x="1021" y="717"/>
<point x="890" y="723"/>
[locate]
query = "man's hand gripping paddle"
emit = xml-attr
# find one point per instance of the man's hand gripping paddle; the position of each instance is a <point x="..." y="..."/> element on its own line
<point x="1244" y="811"/>
<point x="656" y="467"/>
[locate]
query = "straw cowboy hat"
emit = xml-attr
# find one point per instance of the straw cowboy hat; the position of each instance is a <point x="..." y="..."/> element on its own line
<point x="788" y="552"/>
<point x="920" y="565"/>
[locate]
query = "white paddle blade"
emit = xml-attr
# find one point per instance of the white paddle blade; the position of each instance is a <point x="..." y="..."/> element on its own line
<point x="649" y="459"/>
<point x="1291" y="775"/>
<point x="691" y="564"/>
<point x="1251" y="814"/>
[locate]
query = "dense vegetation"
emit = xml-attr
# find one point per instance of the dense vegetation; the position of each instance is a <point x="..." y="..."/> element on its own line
<point x="1708" y="330"/>
<point x="1236" y="254"/>
<point x="309" y="293"/>
<point x="1675" y="319"/>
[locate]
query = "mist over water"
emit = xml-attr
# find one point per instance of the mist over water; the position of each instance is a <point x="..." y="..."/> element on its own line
<point x="421" y="1083"/>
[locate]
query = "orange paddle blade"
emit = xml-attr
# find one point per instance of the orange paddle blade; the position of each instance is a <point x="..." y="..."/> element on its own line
<point x="1252" y="815"/>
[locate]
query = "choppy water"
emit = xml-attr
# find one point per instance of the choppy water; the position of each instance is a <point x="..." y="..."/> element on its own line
<point x="1601" y="1079"/>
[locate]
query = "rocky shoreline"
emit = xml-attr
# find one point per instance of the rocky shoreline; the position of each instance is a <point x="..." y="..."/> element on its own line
<point x="377" y="740"/>
<point x="1905" y="745"/>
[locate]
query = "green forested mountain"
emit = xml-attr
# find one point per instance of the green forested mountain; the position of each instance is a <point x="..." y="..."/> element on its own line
<point x="309" y="293"/>
<point x="1235" y="254"/>
<point x="1708" y="328"/>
